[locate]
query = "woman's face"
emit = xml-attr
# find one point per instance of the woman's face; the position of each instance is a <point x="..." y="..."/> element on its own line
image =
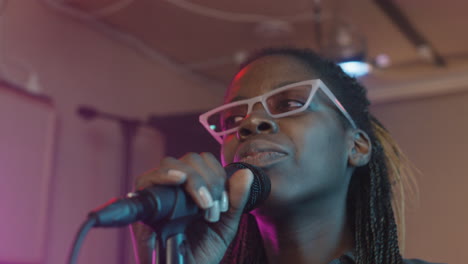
<point x="305" y="155"/>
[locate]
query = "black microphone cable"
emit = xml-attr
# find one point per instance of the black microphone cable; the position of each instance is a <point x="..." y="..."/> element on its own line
<point x="79" y="238"/>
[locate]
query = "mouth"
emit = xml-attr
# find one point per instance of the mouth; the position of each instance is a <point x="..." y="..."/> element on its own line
<point x="261" y="153"/>
<point x="263" y="159"/>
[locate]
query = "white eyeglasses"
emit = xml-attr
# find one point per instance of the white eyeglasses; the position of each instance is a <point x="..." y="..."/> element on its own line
<point x="284" y="101"/>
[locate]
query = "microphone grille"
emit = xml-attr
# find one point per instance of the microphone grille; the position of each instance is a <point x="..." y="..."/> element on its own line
<point x="261" y="185"/>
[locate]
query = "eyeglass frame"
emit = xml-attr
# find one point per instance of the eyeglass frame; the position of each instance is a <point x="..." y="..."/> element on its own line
<point x="315" y="83"/>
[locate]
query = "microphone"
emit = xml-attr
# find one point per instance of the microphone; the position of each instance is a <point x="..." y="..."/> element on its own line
<point x="160" y="204"/>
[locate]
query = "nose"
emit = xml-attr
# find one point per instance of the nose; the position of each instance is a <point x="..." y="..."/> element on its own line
<point x="258" y="122"/>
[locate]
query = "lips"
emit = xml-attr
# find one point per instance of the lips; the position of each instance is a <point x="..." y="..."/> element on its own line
<point x="262" y="159"/>
<point x="261" y="153"/>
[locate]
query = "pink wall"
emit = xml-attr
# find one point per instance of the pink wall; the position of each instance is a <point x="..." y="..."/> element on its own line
<point x="28" y="126"/>
<point x="433" y="133"/>
<point x="77" y="64"/>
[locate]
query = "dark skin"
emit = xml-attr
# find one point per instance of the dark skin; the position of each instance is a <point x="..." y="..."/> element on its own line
<point x="304" y="219"/>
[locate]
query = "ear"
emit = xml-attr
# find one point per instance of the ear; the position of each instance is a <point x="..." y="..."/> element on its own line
<point x="360" y="149"/>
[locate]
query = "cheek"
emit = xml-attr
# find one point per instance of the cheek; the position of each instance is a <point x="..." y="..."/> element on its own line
<point x="323" y="134"/>
<point x="320" y="151"/>
<point x="322" y="143"/>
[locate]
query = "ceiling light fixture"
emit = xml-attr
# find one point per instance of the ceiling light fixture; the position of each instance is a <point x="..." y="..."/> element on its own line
<point x="342" y="43"/>
<point x="348" y="48"/>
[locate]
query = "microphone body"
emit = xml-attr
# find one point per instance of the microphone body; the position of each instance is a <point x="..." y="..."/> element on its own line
<point x="161" y="204"/>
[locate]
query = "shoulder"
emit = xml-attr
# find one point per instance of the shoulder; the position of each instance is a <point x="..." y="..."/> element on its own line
<point x="417" y="261"/>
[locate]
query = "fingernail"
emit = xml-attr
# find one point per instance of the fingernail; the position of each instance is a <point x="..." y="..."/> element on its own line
<point x="205" y="197"/>
<point x="213" y="213"/>
<point x="224" y="202"/>
<point x="176" y="175"/>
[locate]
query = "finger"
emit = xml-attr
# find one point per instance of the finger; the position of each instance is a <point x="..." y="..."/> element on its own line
<point x="161" y="176"/>
<point x="238" y="192"/>
<point x="224" y="202"/>
<point x="214" y="181"/>
<point x="171" y="172"/>
<point x="214" y="164"/>
<point x="212" y="214"/>
<point x="239" y="189"/>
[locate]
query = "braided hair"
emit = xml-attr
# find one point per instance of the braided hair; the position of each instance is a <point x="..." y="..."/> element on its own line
<point x="370" y="201"/>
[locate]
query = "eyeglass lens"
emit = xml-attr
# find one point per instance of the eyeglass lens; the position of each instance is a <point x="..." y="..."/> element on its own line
<point x="277" y="103"/>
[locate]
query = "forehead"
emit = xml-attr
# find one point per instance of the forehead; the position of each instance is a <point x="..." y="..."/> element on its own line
<point x="266" y="74"/>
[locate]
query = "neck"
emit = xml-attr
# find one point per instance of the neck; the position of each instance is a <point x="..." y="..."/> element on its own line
<point x="312" y="234"/>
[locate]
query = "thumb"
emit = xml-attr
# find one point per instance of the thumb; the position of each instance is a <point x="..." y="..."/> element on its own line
<point x="239" y="189"/>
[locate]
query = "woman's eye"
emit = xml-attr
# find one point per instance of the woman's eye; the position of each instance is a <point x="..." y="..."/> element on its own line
<point x="291" y="104"/>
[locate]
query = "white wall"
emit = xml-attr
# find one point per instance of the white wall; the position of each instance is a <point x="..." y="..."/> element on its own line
<point x="433" y="132"/>
<point x="76" y="65"/>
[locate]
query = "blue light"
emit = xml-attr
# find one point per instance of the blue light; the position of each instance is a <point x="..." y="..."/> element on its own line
<point x="213" y="127"/>
<point x="355" y="68"/>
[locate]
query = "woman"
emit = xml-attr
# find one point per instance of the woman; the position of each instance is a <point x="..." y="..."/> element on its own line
<point x="331" y="165"/>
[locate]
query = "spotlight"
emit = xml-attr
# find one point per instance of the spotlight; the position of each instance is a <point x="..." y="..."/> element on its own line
<point x="355" y="68"/>
<point x="347" y="47"/>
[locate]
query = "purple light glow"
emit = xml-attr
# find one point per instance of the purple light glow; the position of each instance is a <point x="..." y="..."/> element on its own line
<point x="269" y="233"/>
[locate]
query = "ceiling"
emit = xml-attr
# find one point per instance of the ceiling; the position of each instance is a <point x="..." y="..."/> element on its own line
<point x="210" y="37"/>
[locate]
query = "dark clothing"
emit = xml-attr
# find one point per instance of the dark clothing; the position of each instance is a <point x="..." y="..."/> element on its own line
<point x="417" y="261"/>
<point x="348" y="258"/>
<point x="247" y="247"/>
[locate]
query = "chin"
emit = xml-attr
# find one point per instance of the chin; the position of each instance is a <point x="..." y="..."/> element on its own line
<point x="279" y="200"/>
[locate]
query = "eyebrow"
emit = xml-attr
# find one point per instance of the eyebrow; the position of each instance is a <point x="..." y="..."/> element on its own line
<point x="284" y="83"/>
<point x="281" y="84"/>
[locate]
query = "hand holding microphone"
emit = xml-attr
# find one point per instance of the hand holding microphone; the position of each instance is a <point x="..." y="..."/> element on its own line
<point x="221" y="200"/>
<point x="172" y="198"/>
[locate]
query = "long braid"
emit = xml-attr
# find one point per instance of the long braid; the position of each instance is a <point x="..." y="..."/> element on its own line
<point x="373" y="208"/>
